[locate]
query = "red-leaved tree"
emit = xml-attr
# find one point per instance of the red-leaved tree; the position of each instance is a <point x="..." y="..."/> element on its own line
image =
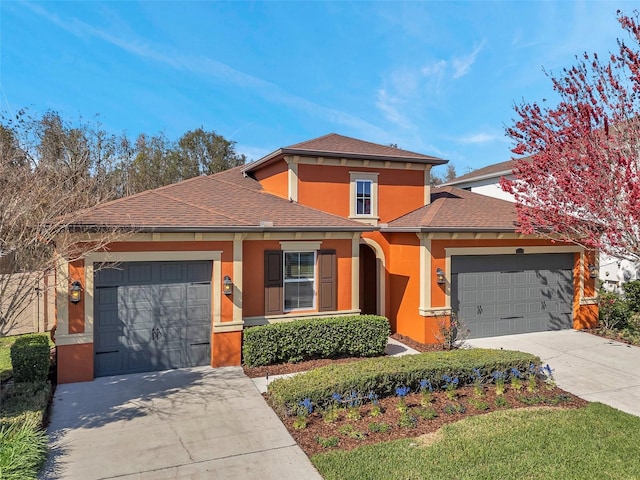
<point x="580" y="181"/>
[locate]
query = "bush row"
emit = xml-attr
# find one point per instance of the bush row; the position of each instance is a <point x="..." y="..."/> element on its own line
<point x="383" y="375"/>
<point x="360" y="336"/>
<point x="30" y="358"/>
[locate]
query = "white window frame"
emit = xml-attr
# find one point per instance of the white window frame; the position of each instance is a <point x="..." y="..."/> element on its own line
<point x="371" y="177"/>
<point x="364" y="197"/>
<point x="311" y="279"/>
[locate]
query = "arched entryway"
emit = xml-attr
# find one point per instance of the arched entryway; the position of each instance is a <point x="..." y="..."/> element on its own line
<point x="369" y="284"/>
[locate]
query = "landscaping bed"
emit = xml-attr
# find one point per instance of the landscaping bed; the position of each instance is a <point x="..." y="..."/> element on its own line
<point x="290" y="367"/>
<point x="347" y="431"/>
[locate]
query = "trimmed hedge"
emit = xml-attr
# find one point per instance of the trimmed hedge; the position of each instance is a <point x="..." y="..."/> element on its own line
<point x="383" y="375"/>
<point x="30" y="358"/>
<point x="359" y="336"/>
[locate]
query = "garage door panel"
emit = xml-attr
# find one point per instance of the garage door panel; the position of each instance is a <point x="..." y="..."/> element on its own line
<point x="529" y="293"/>
<point x="160" y="310"/>
<point x="138" y="273"/>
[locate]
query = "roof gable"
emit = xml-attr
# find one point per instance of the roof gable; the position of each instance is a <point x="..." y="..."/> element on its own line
<point x="340" y="146"/>
<point x="497" y="170"/>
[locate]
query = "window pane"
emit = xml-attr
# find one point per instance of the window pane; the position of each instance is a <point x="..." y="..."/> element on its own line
<point x="298" y="295"/>
<point x="299" y="265"/>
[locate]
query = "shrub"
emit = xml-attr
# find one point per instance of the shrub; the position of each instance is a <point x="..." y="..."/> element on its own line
<point x="632" y="295"/>
<point x="30" y="358"/>
<point x="359" y="336"/>
<point x="383" y="375"/>
<point x="613" y="310"/>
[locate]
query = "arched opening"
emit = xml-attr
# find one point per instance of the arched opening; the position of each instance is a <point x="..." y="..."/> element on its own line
<point x="368" y="280"/>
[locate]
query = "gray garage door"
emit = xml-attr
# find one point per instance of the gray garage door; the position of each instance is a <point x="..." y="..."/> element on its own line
<point x="152" y="316"/>
<point x="508" y="294"/>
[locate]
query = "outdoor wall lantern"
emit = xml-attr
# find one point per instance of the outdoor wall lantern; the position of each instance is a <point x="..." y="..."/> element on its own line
<point x="593" y="270"/>
<point x="440" y="276"/>
<point x="75" y="292"/>
<point x="227" y="285"/>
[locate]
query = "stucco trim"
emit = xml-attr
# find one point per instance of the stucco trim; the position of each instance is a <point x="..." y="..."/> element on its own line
<point x="425" y="273"/>
<point x="303" y="246"/>
<point x="380" y="274"/>
<point x="355" y="272"/>
<point x="62" y="296"/>
<point x="228" y="327"/>
<point x="262" y="320"/>
<point x="73" y="339"/>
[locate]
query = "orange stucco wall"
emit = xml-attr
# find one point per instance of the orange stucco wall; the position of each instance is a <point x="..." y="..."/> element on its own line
<point x="75" y="363"/>
<point x="327" y="188"/>
<point x="274" y="178"/>
<point x="253" y="273"/>
<point x="76" y="310"/>
<point x="226" y="349"/>
<point x="404" y="285"/>
<point x="403" y="271"/>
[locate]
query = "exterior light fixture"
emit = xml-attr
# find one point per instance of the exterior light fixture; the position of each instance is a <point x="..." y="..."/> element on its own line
<point x="440" y="276"/>
<point x="519" y="251"/>
<point x="75" y="292"/>
<point x="227" y="285"/>
<point x="593" y="270"/>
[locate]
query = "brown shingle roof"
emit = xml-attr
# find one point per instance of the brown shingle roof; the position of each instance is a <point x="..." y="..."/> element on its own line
<point x="224" y="202"/>
<point x="452" y="209"/>
<point x="334" y="145"/>
<point x="496" y="170"/>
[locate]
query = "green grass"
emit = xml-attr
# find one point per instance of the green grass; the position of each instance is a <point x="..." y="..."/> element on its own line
<point x="593" y="442"/>
<point x="23" y="442"/>
<point x="5" y="356"/>
<point x="23" y="449"/>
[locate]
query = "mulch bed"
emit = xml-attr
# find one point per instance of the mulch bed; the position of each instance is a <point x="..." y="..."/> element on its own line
<point x="355" y="433"/>
<point x="283" y="368"/>
<point x="609" y="335"/>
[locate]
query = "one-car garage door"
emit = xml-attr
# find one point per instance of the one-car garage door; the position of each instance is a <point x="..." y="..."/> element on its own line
<point x="508" y="294"/>
<point x="152" y="316"/>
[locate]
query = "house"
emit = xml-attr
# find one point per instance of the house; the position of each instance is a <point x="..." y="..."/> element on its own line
<point x="330" y="226"/>
<point x="613" y="272"/>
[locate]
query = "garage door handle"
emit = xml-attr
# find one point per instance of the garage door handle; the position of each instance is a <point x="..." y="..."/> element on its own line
<point x="201" y="343"/>
<point x="108" y="351"/>
<point x="509" y="318"/>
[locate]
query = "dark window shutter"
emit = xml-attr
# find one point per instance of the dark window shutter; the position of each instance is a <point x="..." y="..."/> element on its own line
<point x="273" y="282"/>
<point x="328" y="281"/>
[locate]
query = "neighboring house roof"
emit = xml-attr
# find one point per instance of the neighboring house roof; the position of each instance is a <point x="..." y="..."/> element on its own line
<point x="453" y="209"/>
<point x="223" y="202"/>
<point x="496" y="170"/>
<point x="339" y="146"/>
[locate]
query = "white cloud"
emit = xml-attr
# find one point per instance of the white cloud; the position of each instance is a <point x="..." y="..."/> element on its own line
<point x="477" y="138"/>
<point x="461" y="66"/>
<point x="389" y="106"/>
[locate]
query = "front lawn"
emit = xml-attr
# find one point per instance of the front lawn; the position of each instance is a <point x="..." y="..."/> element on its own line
<point x="539" y="443"/>
<point x="23" y="441"/>
<point x="5" y="357"/>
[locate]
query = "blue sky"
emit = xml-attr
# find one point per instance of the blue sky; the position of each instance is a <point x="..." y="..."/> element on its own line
<point x="439" y="78"/>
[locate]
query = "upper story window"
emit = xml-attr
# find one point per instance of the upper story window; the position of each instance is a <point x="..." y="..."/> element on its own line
<point x="364" y="197"/>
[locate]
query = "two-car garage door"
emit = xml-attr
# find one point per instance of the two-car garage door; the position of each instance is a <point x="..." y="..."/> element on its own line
<point x="508" y="294"/>
<point x="152" y="316"/>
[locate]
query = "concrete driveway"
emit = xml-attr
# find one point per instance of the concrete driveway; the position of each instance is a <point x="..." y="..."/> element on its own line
<point x="188" y="423"/>
<point x="594" y="368"/>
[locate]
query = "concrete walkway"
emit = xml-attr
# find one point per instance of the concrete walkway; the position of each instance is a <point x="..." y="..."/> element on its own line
<point x="594" y="368"/>
<point x="197" y="423"/>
